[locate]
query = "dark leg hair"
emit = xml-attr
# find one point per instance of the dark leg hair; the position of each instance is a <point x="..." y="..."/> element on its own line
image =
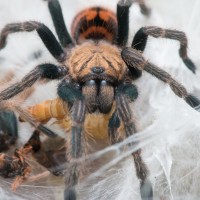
<point x="114" y="123"/>
<point x="123" y="19"/>
<point x="45" y="34"/>
<point x="43" y="71"/>
<point x="140" y="41"/>
<point x="8" y="129"/>
<point x="73" y="96"/>
<point x="135" y="59"/>
<point x="123" y="22"/>
<point x="125" y="116"/>
<point x="75" y="150"/>
<point x="24" y="114"/>
<point x="58" y="20"/>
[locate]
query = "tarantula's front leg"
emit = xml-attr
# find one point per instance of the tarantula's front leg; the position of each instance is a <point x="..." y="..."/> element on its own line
<point x="74" y="149"/>
<point x="45" y="71"/>
<point x="70" y="93"/>
<point x="45" y="34"/>
<point x="134" y="59"/>
<point x="131" y="92"/>
<point x="125" y="116"/>
<point x="140" y="41"/>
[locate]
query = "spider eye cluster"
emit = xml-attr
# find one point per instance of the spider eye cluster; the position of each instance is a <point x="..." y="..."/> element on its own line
<point x="97" y="70"/>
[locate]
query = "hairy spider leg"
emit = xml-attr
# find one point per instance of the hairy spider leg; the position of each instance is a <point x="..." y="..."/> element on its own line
<point x="71" y="95"/>
<point x="144" y="8"/>
<point x="123" y="29"/>
<point x="43" y="71"/>
<point x="123" y="7"/>
<point x="59" y="23"/>
<point x="44" y="33"/>
<point x="123" y="22"/>
<point x="123" y="115"/>
<point x="140" y="40"/>
<point x="134" y="58"/>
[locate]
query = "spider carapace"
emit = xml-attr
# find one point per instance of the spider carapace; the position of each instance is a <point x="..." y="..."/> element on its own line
<point x="95" y="67"/>
<point x="97" y="70"/>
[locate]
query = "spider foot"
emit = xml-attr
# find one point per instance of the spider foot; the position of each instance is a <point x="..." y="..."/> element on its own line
<point x="144" y="9"/>
<point x="190" y="65"/>
<point x="146" y="191"/>
<point x="193" y="101"/>
<point x="70" y="194"/>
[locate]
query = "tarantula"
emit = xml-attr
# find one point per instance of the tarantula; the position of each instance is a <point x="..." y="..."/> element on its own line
<point x="97" y="71"/>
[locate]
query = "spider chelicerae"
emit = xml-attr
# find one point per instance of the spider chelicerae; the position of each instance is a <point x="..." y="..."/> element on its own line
<point x="96" y="71"/>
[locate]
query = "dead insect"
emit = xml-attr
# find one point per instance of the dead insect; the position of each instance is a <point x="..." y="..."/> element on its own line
<point x="50" y="154"/>
<point x="15" y="166"/>
<point x="97" y="71"/>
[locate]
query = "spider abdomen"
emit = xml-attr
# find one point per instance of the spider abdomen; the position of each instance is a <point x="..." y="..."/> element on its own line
<point x="95" y="23"/>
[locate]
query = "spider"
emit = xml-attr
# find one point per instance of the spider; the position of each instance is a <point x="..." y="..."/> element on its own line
<point x="96" y="71"/>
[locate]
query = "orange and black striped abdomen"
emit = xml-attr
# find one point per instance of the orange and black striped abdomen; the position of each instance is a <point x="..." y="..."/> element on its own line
<point x="95" y="23"/>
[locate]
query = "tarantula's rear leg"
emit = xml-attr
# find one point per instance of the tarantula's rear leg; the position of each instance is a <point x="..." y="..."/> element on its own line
<point x="134" y="59"/>
<point x="123" y="21"/>
<point x="140" y="40"/>
<point x="58" y="20"/>
<point x="45" y="34"/>
<point x="123" y="7"/>
<point x="69" y="93"/>
<point x="125" y="116"/>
